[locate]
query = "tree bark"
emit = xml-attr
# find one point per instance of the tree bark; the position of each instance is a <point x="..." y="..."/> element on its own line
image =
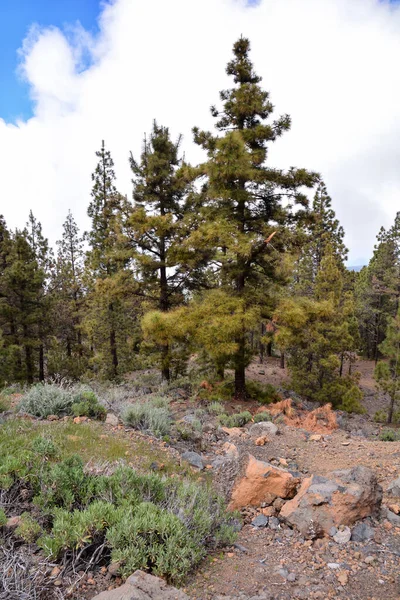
<point x="282" y="362"/>
<point x="113" y="344"/>
<point x="164" y="306"/>
<point x="41" y="362"/>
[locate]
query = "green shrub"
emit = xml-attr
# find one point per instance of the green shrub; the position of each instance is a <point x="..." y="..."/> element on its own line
<point x="44" y="399"/>
<point x="3" y="518"/>
<point x="4" y="403"/>
<point x="260" y="417"/>
<point x="235" y="420"/>
<point x="45" y="447"/>
<point x="152" y="538"/>
<point x="64" y="485"/>
<point x="216" y="408"/>
<point x="389" y="435"/>
<point x="263" y="393"/>
<point x="380" y="416"/>
<point x="28" y="529"/>
<point x="87" y="405"/>
<point x="351" y="401"/>
<point x="148" y="417"/>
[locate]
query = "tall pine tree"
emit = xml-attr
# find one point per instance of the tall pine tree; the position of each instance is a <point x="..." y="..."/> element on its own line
<point x="244" y="201"/>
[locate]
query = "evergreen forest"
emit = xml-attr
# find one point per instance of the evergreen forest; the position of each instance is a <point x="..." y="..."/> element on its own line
<point x="208" y="266"/>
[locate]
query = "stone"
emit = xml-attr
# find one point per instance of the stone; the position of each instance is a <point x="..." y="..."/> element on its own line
<point x="261" y="441"/>
<point x="112" y="419"/>
<point x="291" y="577"/>
<point x="52" y="418"/>
<point x="343" y="535"/>
<point x="260" y="521"/>
<point x="193" y="459"/>
<point x="333" y="531"/>
<point x="142" y="586"/>
<point x="55" y="572"/>
<point x="333" y="566"/>
<point x="316" y="437"/>
<point x="394" y="488"/>
<point x="274" y="523"/>
<point x="343" y="578"/>
<point x="278" y="503"/>
<point x="342" y="498"/>
<point x="230" y="450"/>
<point x="362" y="532"/>
<point x="232" y="431"/>
<point x="391" y="517"/>
<point x="369" y="559"/>
<point x="263" y="428"/>
<point x="114" y="568"/>
<point x="262" y="480"/>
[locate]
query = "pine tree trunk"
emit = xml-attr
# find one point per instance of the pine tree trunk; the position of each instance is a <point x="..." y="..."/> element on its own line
<point x="391" y="409"/>
<point x="240" y="358"/>
<point x="341" y="364"/>
<point x="269" y="349"/>
<point x="282" y="362"/>
<point x="41" y="362"/>
<point x="164" y="306"/>
<point x="113" y="343"/>
<point x="28" y="357"/>
<point x="262" y="347"/>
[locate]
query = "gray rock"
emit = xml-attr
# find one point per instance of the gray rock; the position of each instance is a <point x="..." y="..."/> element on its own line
<point x="394" y="487"/>
<point x="141" y="586"/>
<point x="273" y="523"/>
<point x="112" y="419"/>
<point x="333" y="566"/>
<point x="391" y="517"/>
<point x="291" y="577"/>
<point x="333" y="531"/>
<point x="362" y="532"/>
<point x="343" y="536"/>
<point x="193" y="459"/>
<point x="263" y="428"/>
<point x="260" y="521"/>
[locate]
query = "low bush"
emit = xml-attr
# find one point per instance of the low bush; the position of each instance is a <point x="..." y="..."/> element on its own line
<point x="216" y="408"/>
<point x="261" y="417"/>
<point x="44" y="399"/>
<point x="235" y="420"/>
<point x="61" y="399"/>
<point x="380" y="416"/>
<point x="45" y="447"/>
<point x="351" y="402"/>
<point x="3" y="518"/>
<point x="87" y="405"/>
<point x="28" y="529"/>
<point x="389" y="435"/>
<point x="147" y="416"/>
<point x="263" y="393"/>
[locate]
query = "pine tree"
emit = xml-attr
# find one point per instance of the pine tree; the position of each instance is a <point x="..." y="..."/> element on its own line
<point x="157" y="227"/>
<point x="68" y="295"/>
<point x="316" y="332"/>
<point x="242" y="198"/>
<point x="105" y="266"/>
<point x="378" y="290"/>
<point x="321" y="230"/>
<point x="387" y="372"/>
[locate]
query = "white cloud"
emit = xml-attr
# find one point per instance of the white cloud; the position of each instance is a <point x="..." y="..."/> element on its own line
<point x="331" y="64"/>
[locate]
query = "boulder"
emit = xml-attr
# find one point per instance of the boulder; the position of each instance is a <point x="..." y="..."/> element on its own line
<point x="193" y="459"/>
<point x="264" y="428"/>
<point x="260" y="521"/>
<point x="112" y="419"/>
<point x="142" y="586"/>
<point x="394" y="488"/>
<point x="343" y="498"/>
<point x="260" y="481"/>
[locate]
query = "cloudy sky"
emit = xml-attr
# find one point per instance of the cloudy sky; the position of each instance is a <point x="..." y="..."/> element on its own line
<point x="75" y="72"/>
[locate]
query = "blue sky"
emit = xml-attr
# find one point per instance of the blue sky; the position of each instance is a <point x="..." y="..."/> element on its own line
<point x="16" y="17"/>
